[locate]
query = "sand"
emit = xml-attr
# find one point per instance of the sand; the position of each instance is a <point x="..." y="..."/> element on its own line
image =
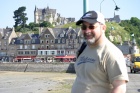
<point x="35" y="82"/>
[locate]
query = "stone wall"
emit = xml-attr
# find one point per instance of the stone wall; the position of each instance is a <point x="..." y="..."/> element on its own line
<point x="38" y="67"/>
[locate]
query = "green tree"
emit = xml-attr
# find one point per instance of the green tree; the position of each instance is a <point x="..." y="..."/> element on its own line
<point x="45" y="24"/>
<point x="132" y="26"/>
<point x="32" y="25"/>
<point x="20" y="17"/>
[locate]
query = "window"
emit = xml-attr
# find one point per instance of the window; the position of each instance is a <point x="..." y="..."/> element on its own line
<point x="41" y="52"/>
<point x="58" y="52"/>
<point x="63" y="40"/>
<point x="42" y="41"/>
<point x="61" y="35"/>
<point x="33" y="52"/>
<point x="33" y="41"/>
<point x="52" y="41"/>
<point x="58" y="41"/>
<point x="20" y="47"/>
<point x="25" y="47"/>
<point x="52" y="46"/>
<point x="21" y="41"/>
<point x="47" y="35"/>
<point x="27" y="52"/>
<point x="47" y="46"/>
<point x="47" y="41"/>
<point x="46" y="52"/>
<point x="52" y="52"/>
<point x="33" y="46"/>
<point x="62" y="52"/>
<point x="26" y="42"/>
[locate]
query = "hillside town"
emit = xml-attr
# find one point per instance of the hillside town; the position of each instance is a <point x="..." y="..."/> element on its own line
<point x="51" y="44"/>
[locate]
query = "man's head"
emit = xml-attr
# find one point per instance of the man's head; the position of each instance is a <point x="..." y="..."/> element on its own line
<point x="92" y="17"/>
<point x="93" y="26"/>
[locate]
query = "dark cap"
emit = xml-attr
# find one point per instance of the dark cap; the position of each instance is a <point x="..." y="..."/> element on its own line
<point x="91" y="17"/>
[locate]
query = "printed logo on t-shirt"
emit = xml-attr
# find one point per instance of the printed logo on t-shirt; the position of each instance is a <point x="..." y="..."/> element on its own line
<point x="84" y="59"/>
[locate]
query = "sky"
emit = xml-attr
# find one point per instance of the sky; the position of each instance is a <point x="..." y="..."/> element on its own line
<point x="68" y="8"/>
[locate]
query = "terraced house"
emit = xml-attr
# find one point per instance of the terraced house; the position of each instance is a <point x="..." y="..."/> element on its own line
<point x="6" y="36"/>
<point x="50" y="45"/>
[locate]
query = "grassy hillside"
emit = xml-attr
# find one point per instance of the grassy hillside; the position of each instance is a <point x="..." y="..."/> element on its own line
<point x="114" y="32"/>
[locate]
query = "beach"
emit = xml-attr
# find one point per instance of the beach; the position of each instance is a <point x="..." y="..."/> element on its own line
<point x="36" y="82"/>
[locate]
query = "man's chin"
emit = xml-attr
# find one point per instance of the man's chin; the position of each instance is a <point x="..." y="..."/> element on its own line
<point x="90" y="42"/>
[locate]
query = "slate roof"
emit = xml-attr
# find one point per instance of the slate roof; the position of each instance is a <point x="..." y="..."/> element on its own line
<point x="32" y="36"/>
<point x="6" y="33"/>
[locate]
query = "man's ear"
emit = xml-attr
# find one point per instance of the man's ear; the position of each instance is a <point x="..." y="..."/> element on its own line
<point x="104" y="27"/>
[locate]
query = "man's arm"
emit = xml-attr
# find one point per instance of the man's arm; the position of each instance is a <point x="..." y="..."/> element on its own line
<point x="119" y="86"/>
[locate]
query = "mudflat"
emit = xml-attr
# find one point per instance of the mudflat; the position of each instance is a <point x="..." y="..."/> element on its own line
<point x="35" y="82"/>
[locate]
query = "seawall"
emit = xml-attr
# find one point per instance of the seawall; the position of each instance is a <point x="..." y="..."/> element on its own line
<point x="38" y="67"/>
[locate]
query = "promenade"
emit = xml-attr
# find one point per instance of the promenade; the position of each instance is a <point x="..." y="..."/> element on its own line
<point x="133" y="85"/>
<point x="49" y="82"/>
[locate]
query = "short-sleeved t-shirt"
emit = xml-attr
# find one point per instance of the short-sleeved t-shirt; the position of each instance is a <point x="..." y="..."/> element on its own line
<point x="97" y="67"/>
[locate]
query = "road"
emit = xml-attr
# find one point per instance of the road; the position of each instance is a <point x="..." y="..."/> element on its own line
<point x="133" y="85"/>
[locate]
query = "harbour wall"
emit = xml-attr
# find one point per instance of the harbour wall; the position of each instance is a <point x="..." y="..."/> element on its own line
<point x="38" y="67"/>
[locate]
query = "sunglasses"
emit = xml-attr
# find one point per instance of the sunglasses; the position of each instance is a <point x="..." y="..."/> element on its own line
<point x="91" y="26"/>
<point x="84" y="27"/>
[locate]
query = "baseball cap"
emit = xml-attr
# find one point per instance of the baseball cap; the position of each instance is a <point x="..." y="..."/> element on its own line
<point x="92" y="17"/>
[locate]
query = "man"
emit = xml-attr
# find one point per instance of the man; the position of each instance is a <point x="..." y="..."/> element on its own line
<point x="101" y="67"/>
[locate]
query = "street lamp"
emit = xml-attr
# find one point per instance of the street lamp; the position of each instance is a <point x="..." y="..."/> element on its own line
<point x="100" y="5"/>
<point x="85" y="6"/>
<point x="116" y="7"/>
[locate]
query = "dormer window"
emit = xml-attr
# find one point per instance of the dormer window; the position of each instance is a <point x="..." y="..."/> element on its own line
<point x="61" y="35"/>
<point x="33" y="41"/>
<point x="21" y="41"/>
<point x="63" y="40"/>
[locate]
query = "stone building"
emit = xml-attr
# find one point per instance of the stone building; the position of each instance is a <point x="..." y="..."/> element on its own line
<point x="51" y="16"/>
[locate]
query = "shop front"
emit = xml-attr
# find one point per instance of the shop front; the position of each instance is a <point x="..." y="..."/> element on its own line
<point x="24" y="58"/>
<point x="65" y="58"/>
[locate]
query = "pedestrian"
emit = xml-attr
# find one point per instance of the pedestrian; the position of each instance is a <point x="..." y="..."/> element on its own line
<point x="101" y="67"/>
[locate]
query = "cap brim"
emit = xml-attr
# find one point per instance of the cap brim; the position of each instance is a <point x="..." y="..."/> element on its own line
<point x="91" y="21"/>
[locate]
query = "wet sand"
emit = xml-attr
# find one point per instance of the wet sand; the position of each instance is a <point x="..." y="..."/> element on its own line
<point x="35" y="82"/>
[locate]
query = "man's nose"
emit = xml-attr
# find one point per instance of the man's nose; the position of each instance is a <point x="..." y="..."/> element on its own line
<point x="87" y="30"/>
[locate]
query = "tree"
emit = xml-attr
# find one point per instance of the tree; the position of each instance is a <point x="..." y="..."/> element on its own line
<point x="20" y="17"/>
<point x="32" y="25"/>
<point x="45" y="24"/>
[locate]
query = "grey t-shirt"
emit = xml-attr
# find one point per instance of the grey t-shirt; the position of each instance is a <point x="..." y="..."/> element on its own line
<point x="96" y="68"/>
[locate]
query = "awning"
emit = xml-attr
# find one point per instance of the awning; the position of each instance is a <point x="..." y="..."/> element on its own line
<point x="64" y="57"/>
<point x="21" y="57"/>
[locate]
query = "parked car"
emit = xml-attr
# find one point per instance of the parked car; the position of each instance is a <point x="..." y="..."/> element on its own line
<point x="135" y="63"/>
<point x="38" y="60"/>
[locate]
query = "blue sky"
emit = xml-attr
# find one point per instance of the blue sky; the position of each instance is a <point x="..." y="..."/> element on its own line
<point x="67" y="8"/>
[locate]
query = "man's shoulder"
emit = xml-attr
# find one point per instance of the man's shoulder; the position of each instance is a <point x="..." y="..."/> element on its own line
<point x="111" y="50"/>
